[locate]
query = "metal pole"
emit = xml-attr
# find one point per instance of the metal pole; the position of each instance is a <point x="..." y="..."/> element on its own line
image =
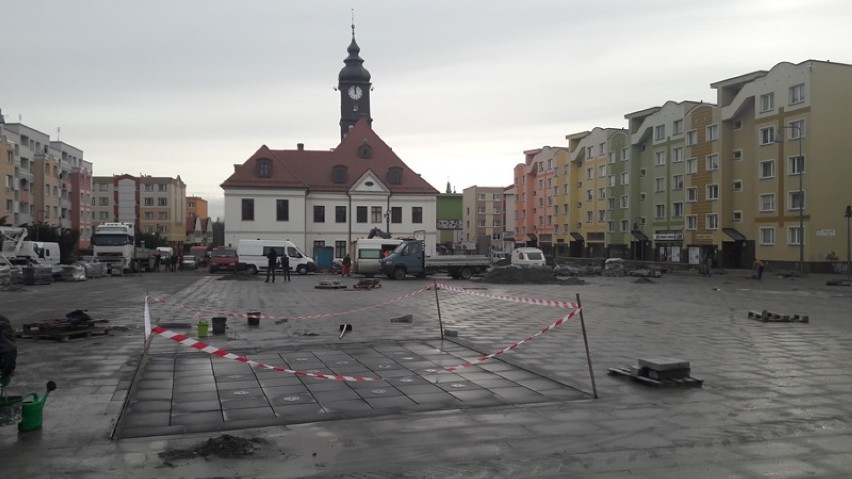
<point x="848" y="244"/>
<point x="586" y="342"/>
<point x="801" y="210"/>
<point x="438" y="304"/>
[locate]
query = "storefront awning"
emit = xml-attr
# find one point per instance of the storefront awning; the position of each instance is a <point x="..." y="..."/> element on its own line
<point x="638" y="234"/>
<point x="734" y="234"/>
<point x="577" y="236"/>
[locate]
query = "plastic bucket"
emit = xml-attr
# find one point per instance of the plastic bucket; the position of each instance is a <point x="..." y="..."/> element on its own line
<point x="219" y="324"/>
<point x="10" y="410"/>
<point x="203" y="328"/>
<point x="253" y="318"/>
<point x="32" y="413"/>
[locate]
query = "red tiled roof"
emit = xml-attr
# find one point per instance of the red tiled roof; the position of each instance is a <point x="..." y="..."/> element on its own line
<point x="307" y="169"/>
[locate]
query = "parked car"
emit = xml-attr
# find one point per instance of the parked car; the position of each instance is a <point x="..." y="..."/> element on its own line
<point x="190" y="262"/>
<point x="532" y="257"/>
<point x="223" y="259"/>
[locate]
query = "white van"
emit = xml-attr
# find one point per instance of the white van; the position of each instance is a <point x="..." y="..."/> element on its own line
<point x="531" y="257"/>
<point x="253" y="253"/>
<point x="366" y="253"/>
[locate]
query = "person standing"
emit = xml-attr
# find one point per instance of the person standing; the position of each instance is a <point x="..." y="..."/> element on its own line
<point x="347" y="266"/>
<point x="271" y="264"/>
<point x="285" y="266"/>
<point x="157" y="257"/>
<point x="758" y="268"/>
<point x="708" y="264"/>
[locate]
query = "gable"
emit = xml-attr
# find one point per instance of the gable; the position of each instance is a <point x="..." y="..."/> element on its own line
<point x="368" y="183"/>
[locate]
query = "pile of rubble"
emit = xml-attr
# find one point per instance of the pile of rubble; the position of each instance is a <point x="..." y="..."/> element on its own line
<point x="518" y="275"/>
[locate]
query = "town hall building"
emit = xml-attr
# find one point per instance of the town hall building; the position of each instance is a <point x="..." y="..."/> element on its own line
<point x="329" y="198"/>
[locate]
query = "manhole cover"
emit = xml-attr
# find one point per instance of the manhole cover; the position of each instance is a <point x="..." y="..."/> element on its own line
<point x="241" y="393"/>
<point x="384" y="366"/>
<point x="379" y="391"/>
<point x="458" y="385"/>
<point x="291" y="398"/>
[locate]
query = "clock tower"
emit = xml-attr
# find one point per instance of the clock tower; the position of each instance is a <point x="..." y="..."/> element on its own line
<point x="354" y="86"/>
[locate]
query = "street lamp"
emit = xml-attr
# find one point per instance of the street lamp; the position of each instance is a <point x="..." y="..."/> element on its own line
<point x="801" y="159"/>
<point x="848" y="244"/>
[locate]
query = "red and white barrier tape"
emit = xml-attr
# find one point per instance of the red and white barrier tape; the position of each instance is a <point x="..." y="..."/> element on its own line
<point x="480" y="359"/>
<point x="212" y="350"/>
<point x="513" y="299"/>
<point x="312" y="316"/>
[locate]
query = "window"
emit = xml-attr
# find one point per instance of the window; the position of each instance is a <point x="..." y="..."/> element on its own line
<point x="263" y="168"/>
<point x="660" y="132"/>
<point x="610" y="226"/>
<point x="148" y="187"/>
<point x="601" y="149"/>
<point x="712" y="192"/>
<point x="248" y="209"/>
<point x="738" y="155"/>
<point x="677" y="209"/>
<point x="602" y="193"/>
<point x="642" y="173"/>
<point x="396" y="214"/>
<point x="767" y="236"/>
<point x="417" y="214"/>
<point x="625" y="225"/>
<point x="691" y="222"/>
<point x="589" y="216"/>
<point x="497" y="197"/>
<point x="611" y="158"/>
<point x="339" y="249"/>
<point x="611" y="180"/>
<point x="767" y="202"/>
<point x="338" y="174"/>
<point x="797" y="93"/>
<point x="677" y="182"/>
<point x="659" y="211"/>
<point x="712" y="162"/>
<point x="692" y="165"/>
<point x="660" y="158"/>
<point x="395" y="175"/>
<point x="767" y="169"/>
<point x="677" y="154"/>
<point x="738" y="185"/>
<point x="737" y="217"/>
<point x="677" y="127"/>
<point x="625" y="178"/>
<point x="282" y="210"/>
<point x="625" y="154"/>
<point x="641" y="196"/>
<point x="589" y="195"/>
<point x="691" y="138"/>
<point x="375" y="214"/>
<point x="590" y="173"/>
<point x="319" y="214"/>
<point x="610" y="204"/>
<point x="361" y="214"/>
<point x="340" y="214"/>
<point x="712" y="132"/>
<point x="794" y="235"/>
<point x="767" y="135"/>
<point x="103" y="215"/>
<point x="149" y="215"/>
<point x="797" y="200"/>
<point x="162" y="215"/>
<point x="712" y="221"/>
<point x="625" y="202"/>
<point x="104" y="201"/>
<point x="767" y="102"/>
<point x="797" y="129"/>
<point x="481" y="196"/>
<point x="601" y="171"/>
<point x="797" y="165"/>
<point x="162" y="202"/>
<point x="149" y="201"/>
<point x="601" y="215"/>
<point x="10" y="181"/>
<point x="659" y="184"/>
<point x="738" y="124"/>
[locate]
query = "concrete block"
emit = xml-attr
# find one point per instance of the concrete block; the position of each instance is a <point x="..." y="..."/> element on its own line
<point x="451" y="333"/>
<point x="662" y="364"/>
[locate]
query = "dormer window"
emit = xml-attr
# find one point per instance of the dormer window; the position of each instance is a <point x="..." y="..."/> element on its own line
<point x="365" y="150"/>
<point x="264" y="168"/>
<point x="338" y="174"/>
<point x="395" y="175"/>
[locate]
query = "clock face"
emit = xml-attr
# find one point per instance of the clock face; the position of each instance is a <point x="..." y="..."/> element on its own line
<point x="355" y="92"/>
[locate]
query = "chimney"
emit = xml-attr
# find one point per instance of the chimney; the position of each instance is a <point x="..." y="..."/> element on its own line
<point x="300" y="146"/>
<point x="237" y="168"/>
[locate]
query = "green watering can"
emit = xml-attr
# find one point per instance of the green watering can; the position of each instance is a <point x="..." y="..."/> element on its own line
<point x="32" y="409"/>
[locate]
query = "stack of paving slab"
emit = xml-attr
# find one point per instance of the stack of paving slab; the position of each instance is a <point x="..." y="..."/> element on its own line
<point x="660" y="372"/>
<point x="767" y="316"/>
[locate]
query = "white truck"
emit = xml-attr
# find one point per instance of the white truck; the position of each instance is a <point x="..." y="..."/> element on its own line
<point x="410" y="258"/>
<point x="17" y="250"/>
<point x="115" y="245"/>
<point x="366" y="253"/>
<point x="252" y="254"/>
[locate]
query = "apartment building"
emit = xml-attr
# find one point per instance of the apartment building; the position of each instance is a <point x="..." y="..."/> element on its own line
<point x="483" y="216"/>
<point x="536" y="188"/>
<point x="75" y="190"/>
<point x="156" y="205"/>
<point x="620" y="219"/>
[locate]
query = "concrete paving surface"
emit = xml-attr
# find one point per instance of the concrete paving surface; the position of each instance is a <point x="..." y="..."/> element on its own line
<point x="775" y="400"/>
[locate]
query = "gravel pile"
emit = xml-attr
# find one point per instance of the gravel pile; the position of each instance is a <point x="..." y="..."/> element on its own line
<point x="510" y="275"/>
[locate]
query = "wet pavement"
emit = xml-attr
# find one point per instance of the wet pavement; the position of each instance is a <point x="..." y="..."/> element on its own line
<point x="775" y="400"/>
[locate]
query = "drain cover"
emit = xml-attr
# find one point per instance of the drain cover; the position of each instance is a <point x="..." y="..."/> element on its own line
<point x="379" y="391"/>
<point x="291" y="398"/>
<point x="384" y="366"/>
<point x="458" y="385"/>
<point x="241" y="393"/>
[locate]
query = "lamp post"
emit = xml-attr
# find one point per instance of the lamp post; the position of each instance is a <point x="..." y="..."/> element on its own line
<point x="848" y="244"/>
<point x="801" y="158"/>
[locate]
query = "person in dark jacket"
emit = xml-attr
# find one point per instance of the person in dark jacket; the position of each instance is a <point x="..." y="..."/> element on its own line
<point x="8" y="351"/>
<point x="271" y="264"/>
<point x="285" y="266"/>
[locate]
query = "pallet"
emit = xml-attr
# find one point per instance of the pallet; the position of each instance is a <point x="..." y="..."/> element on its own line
<point x="330" y="284"/>
<point x="60" y="324"/>
<point x="368" y="284"/>
<point x="63" y="335"/>
<point x="688" y="382"/>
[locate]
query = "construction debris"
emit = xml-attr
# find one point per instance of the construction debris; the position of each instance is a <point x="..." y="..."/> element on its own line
<point x="516" y="275"/>
<point x="659" y="372"/>
<point x="836" y="282"/>
<point x="368" y="283"/>
<point x="63" y="329"/>
<point x="330" y="284"/>
<point x="225" y="446"/>
<point x="403" y="319"/>
<point x="768" y="317"/>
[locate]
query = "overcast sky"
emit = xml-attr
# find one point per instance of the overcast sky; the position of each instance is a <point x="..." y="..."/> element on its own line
<point x="462" y="88"/>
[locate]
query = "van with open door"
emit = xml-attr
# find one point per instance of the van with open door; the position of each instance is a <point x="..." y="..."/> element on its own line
<point x="253" y="253"/>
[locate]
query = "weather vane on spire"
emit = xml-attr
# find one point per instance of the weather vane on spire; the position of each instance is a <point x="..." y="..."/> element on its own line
<point x="353" y="23"/>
